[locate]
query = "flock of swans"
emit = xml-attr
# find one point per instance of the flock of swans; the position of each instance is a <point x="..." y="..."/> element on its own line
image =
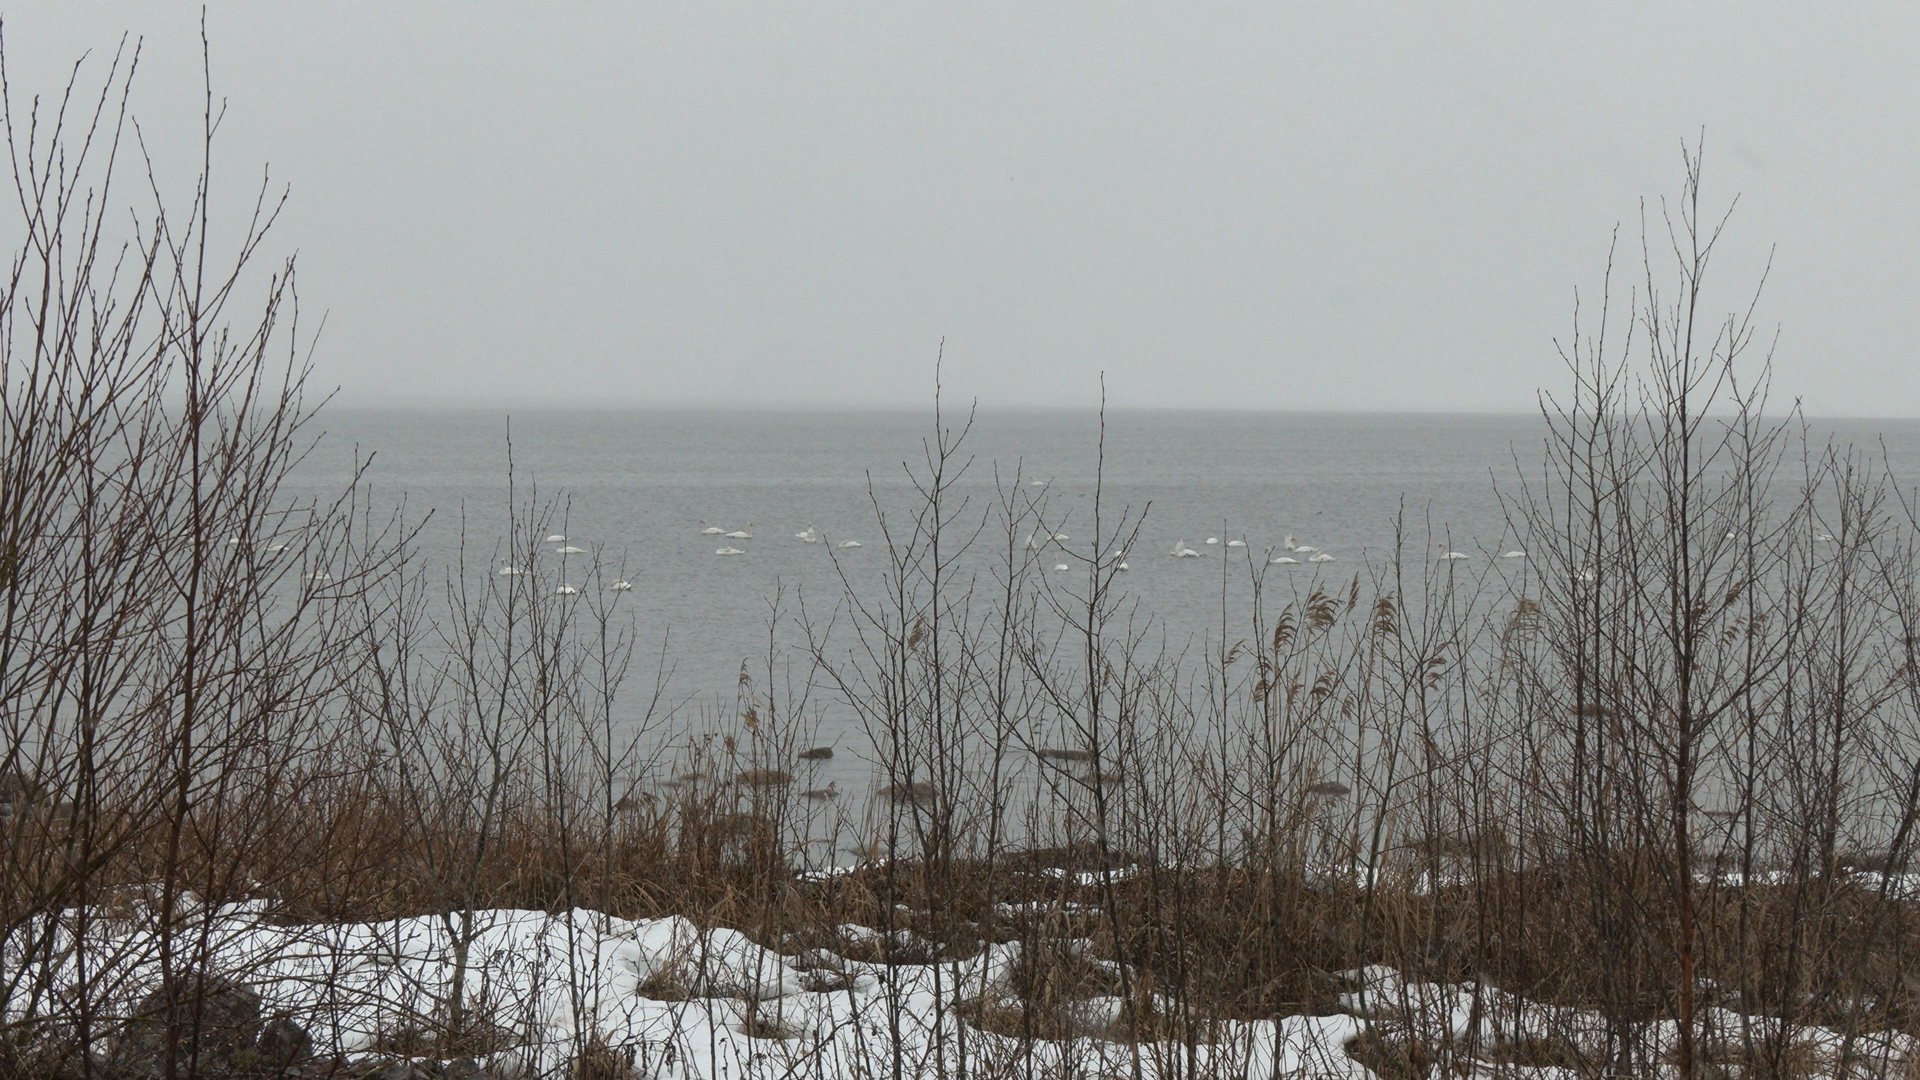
<point x="507" y="569"/>
<point x="1116" y="559"/>
<point x="1306" y="552"/>
<point x="808" y="535"/>
<point x="1295" y="552"/>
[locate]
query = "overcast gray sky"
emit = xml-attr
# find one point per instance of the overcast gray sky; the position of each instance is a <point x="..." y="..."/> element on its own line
<point x="1264" y="206"/>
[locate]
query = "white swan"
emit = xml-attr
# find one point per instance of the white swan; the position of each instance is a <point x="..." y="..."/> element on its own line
<point x="1288" y="544"/>
<point x="711" y="530"/>
<point x="1286" y="560"/>
<point x="1303" y="549"/>
<point x="510" y="570"/>
<point x="1236" y="543"/>
<point x="1455" y="555"/>
<point x="1036" y="483"/>
<point x="1122" y="565"/>
<point x="566" y="590"/>
<point x="1030" y="537"/>
<point x="570" y="550"/>
<point x="1824" y="538"/>
<point x="849" y="543"/>
<point x="1182" y="551"/>
<point x="1321" y="557"/>
<point x="742" y="534"/>
<point x="1213" y="539"/>
<point x="557" y="538"/>
<point x="1061" y="566"/>
<point x="1514" y="554"/>
<point x="1061" y="538"/>
<point x="322" y="576"/>
<point x="729" y="550"/>
<point x="620" y="586"/>
<point x="807" y="537"/>
<point x="277" y="548"/>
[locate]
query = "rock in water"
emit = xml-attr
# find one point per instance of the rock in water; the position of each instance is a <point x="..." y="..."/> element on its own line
<point x="763" y="778"/>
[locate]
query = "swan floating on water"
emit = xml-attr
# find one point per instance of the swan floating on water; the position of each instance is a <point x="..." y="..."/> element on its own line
<point x="1455" y="555"/>
<point x="849" y="543"/>
<point x="729" y="550"/>
<point x="1321" y="557"/>
<point x="711" y="530"/>
<point x="569" y="550"/>
<point x="1236" y="543"/>
<point x="1213" y="539"/>
<point x="1824" y="538"/>
<point x="620" y="586"/>
<point x="510" y="570"/>
<point x="566" y="590"/>
<point x="1288" y="544"/>
<point x="1061" y="566"/>
<point x="1182" y="551"/>
<point x="1514" y="554"/>
<point x="556" y="538"/>
<point x="742" y="534"/>
<point x="1286" y="560"/>
<point x="1122" y="565"/>
<point x="1061" y="538"/>
<point x="807" y="537"/>
<point x="1036" y="483"/>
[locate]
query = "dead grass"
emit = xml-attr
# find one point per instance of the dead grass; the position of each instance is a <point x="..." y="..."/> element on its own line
<point x="1391" y="1058"/>
<point x="598" y="1061"/>
<point x="477" y="1034"/>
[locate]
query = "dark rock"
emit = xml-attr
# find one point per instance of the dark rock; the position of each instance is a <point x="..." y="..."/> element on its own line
<point x="220" y="1015"/>
<point x="917" y="794"/>
<point x="467" y="1069"/>
<point x="283" y="1043"/>
<point x="511" y="1065"/>
<point x="323" y="1068"/>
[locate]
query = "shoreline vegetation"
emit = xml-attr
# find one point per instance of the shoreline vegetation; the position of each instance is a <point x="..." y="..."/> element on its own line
<point x="280" y="799"/>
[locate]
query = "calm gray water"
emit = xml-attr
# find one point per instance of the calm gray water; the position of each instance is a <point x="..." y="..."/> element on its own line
<point x="637" y="486"/>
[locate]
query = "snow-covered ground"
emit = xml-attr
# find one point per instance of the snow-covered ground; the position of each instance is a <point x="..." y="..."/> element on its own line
<point x="680" y="1002"/>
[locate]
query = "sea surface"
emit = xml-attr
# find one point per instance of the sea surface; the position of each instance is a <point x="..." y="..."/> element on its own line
<point x="636" y="488"/>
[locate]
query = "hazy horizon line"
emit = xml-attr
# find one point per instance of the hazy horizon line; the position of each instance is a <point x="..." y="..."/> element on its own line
<point x="545" y="405"/>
